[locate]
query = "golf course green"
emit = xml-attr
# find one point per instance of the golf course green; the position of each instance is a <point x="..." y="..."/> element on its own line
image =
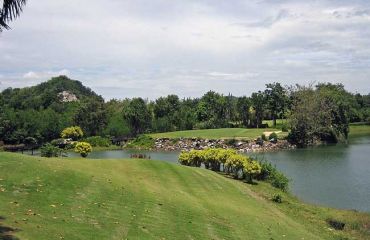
<point x="61" y="198"/>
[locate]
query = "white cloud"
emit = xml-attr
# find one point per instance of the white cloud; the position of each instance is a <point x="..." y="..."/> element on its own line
<point x="45" y="74"/>
<point x="150" y="48"/>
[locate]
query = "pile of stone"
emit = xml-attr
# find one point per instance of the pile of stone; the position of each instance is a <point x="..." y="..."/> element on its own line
<point x="257" y="145"/>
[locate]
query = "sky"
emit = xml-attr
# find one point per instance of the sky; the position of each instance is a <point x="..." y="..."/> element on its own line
<point x="152" y="48"/>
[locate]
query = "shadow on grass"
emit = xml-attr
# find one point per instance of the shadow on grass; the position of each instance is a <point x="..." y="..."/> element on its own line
<point x="238" y="179"/>
<point x="6" y="232"/>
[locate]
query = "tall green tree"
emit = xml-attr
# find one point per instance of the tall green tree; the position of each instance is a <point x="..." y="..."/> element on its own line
<point x="276" y="100"/>
<point x="243" y="106"/>
<point x="137" y="116"/>
<point x="91" y="117"/>
<point x="259" y="103"/>
<point x="319" y="114"/>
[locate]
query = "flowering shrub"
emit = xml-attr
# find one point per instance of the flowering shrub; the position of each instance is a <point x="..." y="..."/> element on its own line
<point x="229" y="161"/>
<point x="83" y="148"/>
<point x="72" y="132"/>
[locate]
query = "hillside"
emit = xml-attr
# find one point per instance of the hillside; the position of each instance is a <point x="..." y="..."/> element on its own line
<point x="44" y="94"/>
<point x="141" y="199"/>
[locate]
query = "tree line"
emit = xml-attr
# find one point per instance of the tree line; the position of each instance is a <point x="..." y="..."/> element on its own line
<point x="321" y="111"/>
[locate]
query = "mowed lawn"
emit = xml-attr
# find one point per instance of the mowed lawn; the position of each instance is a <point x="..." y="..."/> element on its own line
<point x="221" y="133"/>
<point x="359" y="130"/>
<point x="143" y="199"/>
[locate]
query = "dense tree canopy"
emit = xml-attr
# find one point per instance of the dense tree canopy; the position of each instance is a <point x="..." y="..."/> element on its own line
<point x="42" y="112"/>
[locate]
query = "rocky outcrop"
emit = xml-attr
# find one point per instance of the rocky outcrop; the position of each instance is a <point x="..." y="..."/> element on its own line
<point x="66" y="96"/>
<point x="166" y="144"/>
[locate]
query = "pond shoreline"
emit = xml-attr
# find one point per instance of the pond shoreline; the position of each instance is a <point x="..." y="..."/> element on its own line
<point x="243" y="146"/>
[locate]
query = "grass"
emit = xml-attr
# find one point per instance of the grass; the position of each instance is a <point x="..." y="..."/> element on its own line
<point x="359" y="130"/>
<point x="224" y="133"/>
<point x="279" y="123"/>
<point x="143" y="199"/>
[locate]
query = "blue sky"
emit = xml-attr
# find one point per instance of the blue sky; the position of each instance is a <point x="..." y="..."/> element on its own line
<point x="150" y="48"/>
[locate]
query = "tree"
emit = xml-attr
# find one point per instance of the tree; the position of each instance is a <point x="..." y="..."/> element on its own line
<point x="91" y="116"/>
<point x="319" y="114"/>
<point x="243" y="105"/>
<point x="10" y="10"/>
<point x="258" y="103"/>
<point x="72" y="132"/>
<point x="276" y="99"/>
<point x="137" y="116"/>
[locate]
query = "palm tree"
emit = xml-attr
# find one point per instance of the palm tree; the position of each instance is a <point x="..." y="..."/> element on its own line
<point x="10" y="10"/>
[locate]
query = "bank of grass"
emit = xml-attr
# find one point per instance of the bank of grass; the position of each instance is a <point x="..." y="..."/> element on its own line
<point x="221" y="133"/>
<point x="143" y="199"/>
<point x="359" y="130"/>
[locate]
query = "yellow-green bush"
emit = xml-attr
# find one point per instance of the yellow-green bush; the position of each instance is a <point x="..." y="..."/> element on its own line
<point x="83" y="148"/>
<point x="74" y="132"/>
<point x="229" y="161"/>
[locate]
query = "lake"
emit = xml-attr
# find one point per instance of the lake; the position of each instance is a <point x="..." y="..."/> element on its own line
<point x="336" y="175"/>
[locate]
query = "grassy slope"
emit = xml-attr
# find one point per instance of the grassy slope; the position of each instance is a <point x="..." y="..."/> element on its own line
<point x="141" y="199"/>
<point x="247" y="133"/>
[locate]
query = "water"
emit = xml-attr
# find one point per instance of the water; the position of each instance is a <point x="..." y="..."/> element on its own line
<point x="336" y="176"/>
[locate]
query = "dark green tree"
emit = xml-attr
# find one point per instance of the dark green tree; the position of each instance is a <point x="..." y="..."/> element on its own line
<point x="137" y="115"/>
<point x="243" y="106"/>
<point x="259" y="103"/>
<point x="91" y="117"/>
<point x="276" y="100"/>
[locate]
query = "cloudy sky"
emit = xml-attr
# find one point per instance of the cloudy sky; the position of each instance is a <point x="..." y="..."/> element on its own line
<point x="150" y="48"/>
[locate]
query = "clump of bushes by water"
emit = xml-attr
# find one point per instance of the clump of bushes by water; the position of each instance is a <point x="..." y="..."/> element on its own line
<point x="98" y="141"/>
<point x="83" y="148"/>
<point x="229" y="161"/>
<point x="231" y="141"/>
<point x="273" y="136"/>
<point x="263" y="137"/>
<point x="271" y="174"/>
<point x="142" y="142"/>
<point x="49" y="150"/>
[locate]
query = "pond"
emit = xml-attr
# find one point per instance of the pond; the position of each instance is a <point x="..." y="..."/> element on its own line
<point x="336" y="176"/>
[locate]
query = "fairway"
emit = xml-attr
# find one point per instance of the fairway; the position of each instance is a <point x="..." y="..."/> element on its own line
<point x="221" y="133"/>
<point x="141" y="199"/>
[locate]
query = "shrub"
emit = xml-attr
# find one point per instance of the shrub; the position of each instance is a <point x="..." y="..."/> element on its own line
<point x="98" y="141"/>
<point x="48" y="150"/>
<point x="263" y="137"/>
<point x="252" y="169"/>
<point x="279" y="180"/>
<point x="337" y="225"/>
<point x="83" y="148"/>
<point x="266" y="171"/>
<point x="273" y="136"/>
<point x="259" y="141"/>
<point x="74" y="132"/>
<point x="231" y="142"/>
<point x="277" y="198"/>
<point x="142" y="142"/>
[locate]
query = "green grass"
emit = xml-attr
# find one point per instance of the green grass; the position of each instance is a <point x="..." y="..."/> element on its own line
<point x="279" y="123"/>
<point x="143" y="199"/>
<point x="224" y="133"/>
<point x="359" y="130"/>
